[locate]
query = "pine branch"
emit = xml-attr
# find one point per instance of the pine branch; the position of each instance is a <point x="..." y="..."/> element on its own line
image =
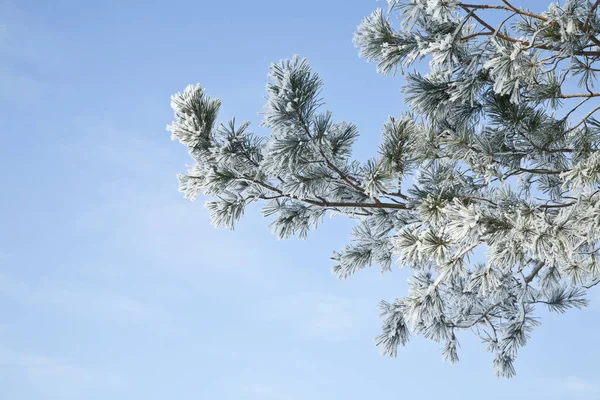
<point x="346" y="178"/>
<point x="547" y="206"/>
<point x="492" y="31"/>
<point x="588" y="115"/>
<point x="589" y="16"/>
<point x="543" y="171"/>
<point x="535" y="271"/>
<point x="591" y="285"/>
<point x="575" y="95"/>
<point x="478" y="118"/>
<point x="326" y="203"/>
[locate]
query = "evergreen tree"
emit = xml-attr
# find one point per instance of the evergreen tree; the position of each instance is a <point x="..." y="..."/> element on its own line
<point x="502" y="152"/>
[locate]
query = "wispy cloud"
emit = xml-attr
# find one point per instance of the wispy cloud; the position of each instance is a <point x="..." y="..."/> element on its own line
<point x="29" y="58"/>
<point x="38" y="367"/>
<point x="264" y="392"/>
<point x="571" y="387"/>
<point x="135" y="206"/>
<point x="575" y="384"/>
<point x="88" y="302"/>
<point x="314" y="315"/>
<point x="50" y="374"/>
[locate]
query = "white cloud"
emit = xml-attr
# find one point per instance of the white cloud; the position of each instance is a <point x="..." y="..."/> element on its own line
<point x="30" y="57"/>
<point x="572" y="387"/>
<point x="88" y="302"/>
<point x="332" y="316"/>
<point x="134" y="210"/>
<point x="134" y="206"/>
<point x="43" y="367"/>
<point x="264" y="392"/>
<point x="12" y="288"/>
<point x="575" y="384"/>
<point x="314" y="315"/>
<point x="51" y="374"/>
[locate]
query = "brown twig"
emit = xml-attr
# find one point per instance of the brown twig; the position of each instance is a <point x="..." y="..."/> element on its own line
<point x="470" y="7"/>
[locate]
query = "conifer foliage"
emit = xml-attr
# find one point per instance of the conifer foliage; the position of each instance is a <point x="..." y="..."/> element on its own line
<point x="501" y="148"/>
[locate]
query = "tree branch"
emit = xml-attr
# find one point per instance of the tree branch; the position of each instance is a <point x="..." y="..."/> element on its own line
<point x="589" y="17"/>
<point x="535" y="271"/>
<point x="583" y="120"/>
<point x="345" y="177"/>
<point x="574" y="95"/>
<point x="469" y="8"/>
<point x="326" y="203"/>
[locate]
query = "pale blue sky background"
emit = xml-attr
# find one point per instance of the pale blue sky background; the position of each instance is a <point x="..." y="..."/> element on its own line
<point x="112" y="286"/>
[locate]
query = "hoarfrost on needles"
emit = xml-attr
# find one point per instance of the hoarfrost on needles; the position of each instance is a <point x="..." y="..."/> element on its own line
<point x="503" y="155"/>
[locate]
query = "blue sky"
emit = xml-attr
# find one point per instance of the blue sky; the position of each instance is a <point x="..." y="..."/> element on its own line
<point x="114" y="286"/>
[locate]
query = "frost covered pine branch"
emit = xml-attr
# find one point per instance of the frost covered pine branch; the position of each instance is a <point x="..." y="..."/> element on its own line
<point x="501" y="149"/>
